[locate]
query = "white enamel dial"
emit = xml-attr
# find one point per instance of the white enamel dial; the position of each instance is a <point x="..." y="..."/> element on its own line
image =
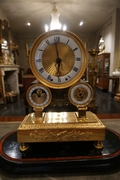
<point x="58" y="59"/>
<point x="80" y="94"/>
<point x="39" y="64"/>
<point x="38" y="96"/>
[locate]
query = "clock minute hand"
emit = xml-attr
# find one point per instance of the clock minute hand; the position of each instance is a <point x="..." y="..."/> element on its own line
<point x="58" y="60"/>
<point x="56" y="50"/>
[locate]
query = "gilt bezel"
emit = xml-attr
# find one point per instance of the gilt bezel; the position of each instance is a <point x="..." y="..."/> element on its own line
<point x="31" y="90"/>
<point x="88" y="98"/>
<point x="38" y="70"/>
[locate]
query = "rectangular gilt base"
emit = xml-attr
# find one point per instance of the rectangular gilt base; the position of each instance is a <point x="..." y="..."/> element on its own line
<point x="61" y="127"/>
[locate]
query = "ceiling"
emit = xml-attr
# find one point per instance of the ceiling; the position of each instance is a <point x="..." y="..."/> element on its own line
<point x="93" y="13"/>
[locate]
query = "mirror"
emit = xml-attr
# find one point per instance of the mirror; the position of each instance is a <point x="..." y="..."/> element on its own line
<point x="5" y="36"/>
<point x="5" y="50"/>
<point x="5" y="33"/>
<point x="5" y="30"/>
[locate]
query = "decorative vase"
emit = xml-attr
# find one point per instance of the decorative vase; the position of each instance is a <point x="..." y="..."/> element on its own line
<point x="116" y="73"/>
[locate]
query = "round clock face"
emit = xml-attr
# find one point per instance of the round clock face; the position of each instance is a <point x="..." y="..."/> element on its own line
<point x="58" y="59"/>
<point x="80" y="94"/>
<point x="38" y="96"/>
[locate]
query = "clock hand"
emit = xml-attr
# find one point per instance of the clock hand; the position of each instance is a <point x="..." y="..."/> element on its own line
<point x="39" y="92"/>
<point x="56" y="50"/>
<point x="58" y="61"/>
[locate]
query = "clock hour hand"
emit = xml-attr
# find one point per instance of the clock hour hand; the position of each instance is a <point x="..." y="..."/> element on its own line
<point x="58" y="61"/>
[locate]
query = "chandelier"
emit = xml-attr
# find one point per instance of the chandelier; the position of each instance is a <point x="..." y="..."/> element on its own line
<point x="55" y="23"/>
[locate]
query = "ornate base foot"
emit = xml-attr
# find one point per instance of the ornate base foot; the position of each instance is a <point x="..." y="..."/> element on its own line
<point x="98" y="145"/>
<point x="24" y="147"/>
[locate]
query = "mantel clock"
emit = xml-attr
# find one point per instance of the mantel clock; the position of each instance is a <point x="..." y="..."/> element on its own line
<point x="58" y="60"/>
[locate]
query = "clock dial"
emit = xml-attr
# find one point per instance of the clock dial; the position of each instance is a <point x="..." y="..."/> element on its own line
<point x="38" y="96"/>
<point x="80" y="94"/>
<point x="58" y="59"/>
<point x="58" y="65"/>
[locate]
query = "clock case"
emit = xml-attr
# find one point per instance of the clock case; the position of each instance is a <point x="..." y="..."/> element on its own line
<point x="78" y="124"/>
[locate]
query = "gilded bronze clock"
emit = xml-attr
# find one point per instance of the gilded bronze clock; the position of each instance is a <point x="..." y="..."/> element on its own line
<point x="58" y="59"/>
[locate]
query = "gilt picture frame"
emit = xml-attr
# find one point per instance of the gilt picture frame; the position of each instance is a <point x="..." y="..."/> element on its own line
<point x="28" y="48"/>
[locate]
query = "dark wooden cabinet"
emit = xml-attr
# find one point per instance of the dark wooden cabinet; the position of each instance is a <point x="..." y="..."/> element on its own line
<point x="103" y="71"/>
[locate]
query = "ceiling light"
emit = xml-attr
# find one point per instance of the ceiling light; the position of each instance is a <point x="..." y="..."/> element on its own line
<point x="64" y="27"/>
<point x="29" y="24"/>
<point x="55" y="23"/>
<point x="46" y="28"/>
<point x="81" y="23"/>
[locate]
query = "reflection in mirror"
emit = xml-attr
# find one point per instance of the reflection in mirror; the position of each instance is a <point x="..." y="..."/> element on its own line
<point x="4" y="44"/>
<point x="5" y="37"/>
<point x="5" y="29"/>
<point x="5" y="50"/>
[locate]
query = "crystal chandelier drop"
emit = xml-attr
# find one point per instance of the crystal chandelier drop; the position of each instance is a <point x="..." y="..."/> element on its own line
<point x="55" y="23"/>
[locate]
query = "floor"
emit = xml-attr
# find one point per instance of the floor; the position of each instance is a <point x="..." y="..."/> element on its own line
<point x="106" y="103"/>
<point x="104" y="100"/>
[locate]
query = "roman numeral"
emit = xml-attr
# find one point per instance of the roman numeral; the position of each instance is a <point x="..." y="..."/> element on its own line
<point x="67" y="41"/>
<point x="41" y="70"/>
<point x="47" y="42"/>
<point x="75" y="49"/>
<point x="78" y="59"/>
<point x="75" y="69"/>
<point x="40" y="49"/>
<point x="67" y="78"/>
<point x="56" y="39"/>
<point x="59" y="80"/>
<point x="38" y="60"/>
<point x="49" y="78"/>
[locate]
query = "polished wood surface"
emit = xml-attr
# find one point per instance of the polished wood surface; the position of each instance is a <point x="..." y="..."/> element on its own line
<point x="103" y="71"/>
<point x="20" y="118"/>
<point x="11" y="118"/>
